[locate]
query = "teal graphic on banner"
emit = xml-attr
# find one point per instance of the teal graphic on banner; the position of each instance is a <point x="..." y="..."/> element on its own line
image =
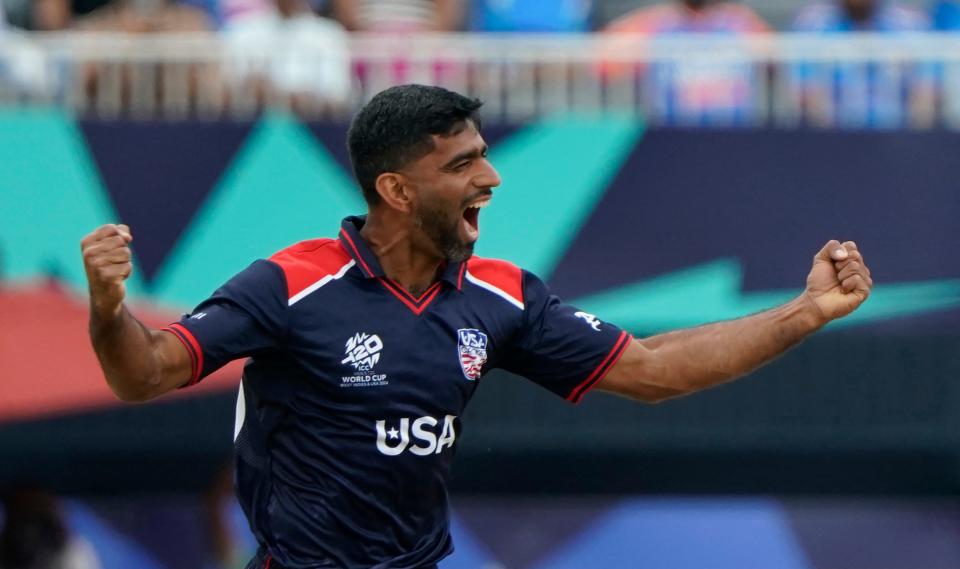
<point x="560" y="178"/>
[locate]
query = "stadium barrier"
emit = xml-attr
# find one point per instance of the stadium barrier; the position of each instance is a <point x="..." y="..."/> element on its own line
<point x="910" y="80"/>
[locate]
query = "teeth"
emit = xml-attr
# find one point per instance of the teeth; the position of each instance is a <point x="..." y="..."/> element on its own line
<point x="479" y="205"/>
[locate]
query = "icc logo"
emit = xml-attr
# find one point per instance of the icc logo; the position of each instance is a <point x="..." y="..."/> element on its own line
<point x="472" y="346"/>
<point x="363" y="351"/>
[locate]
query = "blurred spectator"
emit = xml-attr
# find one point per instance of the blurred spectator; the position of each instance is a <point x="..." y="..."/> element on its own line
<point x="226" y="11"/>
<point x="129" y="87"/>
<point x="398" y="18"/>
<point x="530" y="16"/>
<point x="53" y="15"/>
<point x="35" y="536"/>
<point x="124" y="15"/>
<point x="18" y="13"/>
<point x="24" y="67"/>
<point x="400" y="15"/>
<point x="234" y="10"/>
<point x="699" y="90"/>
<point x="211" y="8"/>
<point x="228" y="548"/>
<point x="865" y="95"/>
<point x="145" y="16"/>
<point x="290" y="52"/>
<point x="946" y="15"/>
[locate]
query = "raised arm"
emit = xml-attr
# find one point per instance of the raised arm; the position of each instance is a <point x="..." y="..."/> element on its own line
<point x="682" y="362"/>
<point x="138" y="363"/>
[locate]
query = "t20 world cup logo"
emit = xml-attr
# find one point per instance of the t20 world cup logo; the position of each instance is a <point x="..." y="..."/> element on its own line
<point x="472" y="345"/>
<point x="363" y="351"/>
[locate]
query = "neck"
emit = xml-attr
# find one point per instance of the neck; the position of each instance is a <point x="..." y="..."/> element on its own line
<point x="394" y="245"/>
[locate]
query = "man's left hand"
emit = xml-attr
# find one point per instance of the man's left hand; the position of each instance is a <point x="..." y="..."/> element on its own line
<point x="839" y="281"/>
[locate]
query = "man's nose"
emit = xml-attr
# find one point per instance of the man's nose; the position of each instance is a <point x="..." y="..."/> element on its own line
<point x="489" y="178"/>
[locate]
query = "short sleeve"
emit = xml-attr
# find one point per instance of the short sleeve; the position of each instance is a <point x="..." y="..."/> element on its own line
<point x="560" y="347"/>
<point x="245" y="316"/>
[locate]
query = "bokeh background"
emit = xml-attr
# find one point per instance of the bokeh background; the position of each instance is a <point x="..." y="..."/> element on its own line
<point x="664" y="165"/>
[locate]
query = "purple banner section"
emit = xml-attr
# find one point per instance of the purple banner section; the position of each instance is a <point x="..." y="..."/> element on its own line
<point x="159" y="173"/>
<point x="680" y="198"/>
<point x="684" y="197"/>
<point x="182" y="532"/>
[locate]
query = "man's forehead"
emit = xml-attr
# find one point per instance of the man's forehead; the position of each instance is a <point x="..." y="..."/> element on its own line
<point x="466" y="138"/>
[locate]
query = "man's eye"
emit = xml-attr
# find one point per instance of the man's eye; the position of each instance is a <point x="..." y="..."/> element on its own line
<point x="461" y="165"/>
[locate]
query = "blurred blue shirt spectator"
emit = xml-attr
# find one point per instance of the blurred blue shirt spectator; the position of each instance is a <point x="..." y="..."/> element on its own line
<point x="860" y="16"/>
<point x="871" y="94"/>
<point x="530" y="16"/>
<point x="946" y="15"/>
<point x="698" y="90"/>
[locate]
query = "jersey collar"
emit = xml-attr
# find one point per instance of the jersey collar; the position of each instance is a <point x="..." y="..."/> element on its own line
<point x="451" y="273"/>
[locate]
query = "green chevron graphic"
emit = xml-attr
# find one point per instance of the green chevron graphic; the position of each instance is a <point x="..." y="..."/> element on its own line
<point x="711" y="292"/>
<point x="554" y="174"/>
<point x="282" y="187"/>
<point x="51" y="197"/>
<point x="242" y="220"/>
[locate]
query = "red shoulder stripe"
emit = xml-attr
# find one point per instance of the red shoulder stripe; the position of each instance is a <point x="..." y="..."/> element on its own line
<point x="193" y="348"/>
<point x="503" y="276"/>
<point x="308" y="262"/>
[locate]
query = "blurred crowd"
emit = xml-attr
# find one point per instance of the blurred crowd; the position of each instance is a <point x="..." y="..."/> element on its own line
<point x="557" y="16"/>
<point x="691" y="92"/>
<point x="35" y="535"/>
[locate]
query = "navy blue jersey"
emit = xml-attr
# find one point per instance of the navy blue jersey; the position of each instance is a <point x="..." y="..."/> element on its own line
<point x="350" y="404"/>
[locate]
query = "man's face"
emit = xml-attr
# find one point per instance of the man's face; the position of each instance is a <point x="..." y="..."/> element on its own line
<point x="451" y="184"/>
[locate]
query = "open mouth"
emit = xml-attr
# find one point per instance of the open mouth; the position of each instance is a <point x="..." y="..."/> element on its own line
<point x="471" y="218"/>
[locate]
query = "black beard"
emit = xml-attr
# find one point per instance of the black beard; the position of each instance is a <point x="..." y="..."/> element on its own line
<point x="444" y="236"/>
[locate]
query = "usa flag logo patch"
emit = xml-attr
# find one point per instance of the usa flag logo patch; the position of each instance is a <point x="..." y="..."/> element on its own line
<point x="472" y="345"/>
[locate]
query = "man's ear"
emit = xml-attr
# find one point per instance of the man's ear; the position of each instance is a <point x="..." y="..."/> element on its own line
<point x="394" y="191"/>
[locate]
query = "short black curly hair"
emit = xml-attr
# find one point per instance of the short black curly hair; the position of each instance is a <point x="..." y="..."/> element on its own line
<point x="395" y="128"/>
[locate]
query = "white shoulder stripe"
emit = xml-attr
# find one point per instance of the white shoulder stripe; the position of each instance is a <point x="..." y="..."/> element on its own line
<point x="494" y="290"/>
<point x="303" y="293"/>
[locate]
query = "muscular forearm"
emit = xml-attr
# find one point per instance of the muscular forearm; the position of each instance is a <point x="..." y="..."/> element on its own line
<point x="698" y="358"/>
<point x="128" y="354"/>
<point x="684" y="361"/>
<point x="138" y="363"/>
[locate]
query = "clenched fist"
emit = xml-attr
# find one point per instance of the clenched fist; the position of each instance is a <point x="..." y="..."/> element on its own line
<point x="108" y="262"/>
<point x="839" y="281"/>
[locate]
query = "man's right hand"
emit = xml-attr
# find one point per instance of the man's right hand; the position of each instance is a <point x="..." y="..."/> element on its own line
<point x="108" y="262"/>
<point x="139" y="363"/>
